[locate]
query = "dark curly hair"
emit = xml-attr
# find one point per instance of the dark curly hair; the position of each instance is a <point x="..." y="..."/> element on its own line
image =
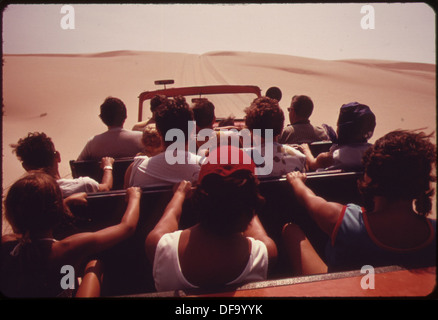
<point x="399" y="166"/>
<point x="156" y="101"/>
<point x="265" y="113"/>
<point x="203" y="111"/>
<point x="226" y="205"/>
<point x="173" y="114"/>
<point x="36" y="151"/>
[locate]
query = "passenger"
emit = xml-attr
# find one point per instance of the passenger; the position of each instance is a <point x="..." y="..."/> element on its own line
<point x="355" y="127"/>
<point x="37" y="151"/>
<point x="265" y="114"/>
<point x="300" y="130"/>
<point x="155" y="103"/>
<point x="116" y="142"/>
<point x="151" y="141"/>
<point x="205" y="118"/>
<point x="391" y="229"/>
<point x="203" y="114"/>
<point x="32" y="259"/>
<point x="228" y="246"/>
<point x="175" y="163"/>
<point x="274" y="93"/>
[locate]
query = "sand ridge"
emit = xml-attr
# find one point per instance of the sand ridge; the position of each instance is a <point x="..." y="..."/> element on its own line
<point x="60" y="94"/>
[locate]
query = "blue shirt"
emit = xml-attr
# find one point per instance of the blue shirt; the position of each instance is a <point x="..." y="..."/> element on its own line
<point x="353" y="245"/>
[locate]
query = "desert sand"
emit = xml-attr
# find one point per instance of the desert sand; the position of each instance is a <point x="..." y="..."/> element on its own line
<point x="61" y="94"/>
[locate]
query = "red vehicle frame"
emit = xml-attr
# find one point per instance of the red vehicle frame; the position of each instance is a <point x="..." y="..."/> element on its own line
<point x="194" y="91"/>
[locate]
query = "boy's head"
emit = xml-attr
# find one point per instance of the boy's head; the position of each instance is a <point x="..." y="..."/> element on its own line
<point x="36" y="151"/>
<point x="113" y="112"/>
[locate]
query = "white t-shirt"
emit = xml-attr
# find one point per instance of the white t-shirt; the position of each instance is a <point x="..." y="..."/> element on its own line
<point x="115" y="143"/>
<point x="81" y="184"/>
<point x="348" y="157"/>
<point x="156" y="170"/>
<point x="167" y="269"/>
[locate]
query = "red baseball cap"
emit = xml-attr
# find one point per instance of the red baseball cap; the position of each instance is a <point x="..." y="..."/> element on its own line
<point x="225" y="160"/>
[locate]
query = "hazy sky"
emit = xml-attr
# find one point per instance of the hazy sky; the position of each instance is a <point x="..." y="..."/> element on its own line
<point x="402" y="31"/>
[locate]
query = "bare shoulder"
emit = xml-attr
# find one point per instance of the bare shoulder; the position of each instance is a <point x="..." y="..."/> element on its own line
<point x="10" y="237"/>
<point x="151" y="243"/>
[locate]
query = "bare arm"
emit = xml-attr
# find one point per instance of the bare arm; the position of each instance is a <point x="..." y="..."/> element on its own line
<point x="139" y="126"/>
<point x="91" y="284"/>
<point x="128" y="176"/>
<point x="323" y="160"/>
<point x="81" y="245"/>
<point x="107" y="179"/>
<point x="257" y="231"/>
<point x="169" y="222"/>
<point x="310" y="159"/>
<point x="79" y="198"/>
<point x="324" y="213"/>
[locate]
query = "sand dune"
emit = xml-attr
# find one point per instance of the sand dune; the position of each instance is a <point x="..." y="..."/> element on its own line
<point x="61" y="94"/>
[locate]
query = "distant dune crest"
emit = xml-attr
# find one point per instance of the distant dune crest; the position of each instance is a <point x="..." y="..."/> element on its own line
<point x="370" y="62"/>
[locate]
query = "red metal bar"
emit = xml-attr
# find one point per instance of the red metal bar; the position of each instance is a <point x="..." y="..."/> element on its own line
<point x="191" y="91"/>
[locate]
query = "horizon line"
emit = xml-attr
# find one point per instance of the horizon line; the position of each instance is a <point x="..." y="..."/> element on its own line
<point x="121" y="52"/>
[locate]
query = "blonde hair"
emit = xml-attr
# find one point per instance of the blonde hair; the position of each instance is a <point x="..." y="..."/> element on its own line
<point x="151" y="140"/>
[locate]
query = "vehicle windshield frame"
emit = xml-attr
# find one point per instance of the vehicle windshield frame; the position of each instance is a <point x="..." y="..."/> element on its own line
<point x="199" y="91"/>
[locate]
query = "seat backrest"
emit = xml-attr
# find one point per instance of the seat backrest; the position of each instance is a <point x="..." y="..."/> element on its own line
<point x="319" y="147"/>
<point x="281" y="207"/>
<point x="92" y="169"/>
<point x="127" y="270"/>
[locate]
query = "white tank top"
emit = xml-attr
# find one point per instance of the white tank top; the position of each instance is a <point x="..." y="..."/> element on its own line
<point x="167" y="269"/>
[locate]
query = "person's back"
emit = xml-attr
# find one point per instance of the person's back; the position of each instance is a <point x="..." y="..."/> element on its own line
<point x="298" y="133"/>
<point x="157" y="171"/>
<point x="37" y="152"/>
<point x="300" y="130"/>
<point x="355" y="126"/>
<point x="363" y="238"/>
<point x="32" y="258"/>
<point x="29" y="273"/>
<point x="391" y="228"/>
<point x="116" y="142"/>
<point x="176" y="162"/>
<point x="228" y="246"/>
<point x="236" y="261"/>
<point x="348" y="157"/>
